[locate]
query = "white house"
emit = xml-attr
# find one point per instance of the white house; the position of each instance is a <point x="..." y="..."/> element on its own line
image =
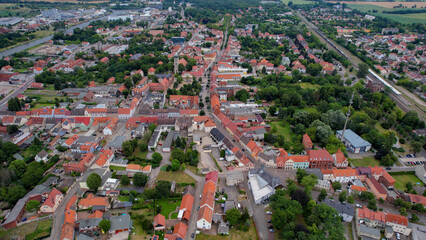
<point x="41" y="156"/>
<point x="204" y="220"/>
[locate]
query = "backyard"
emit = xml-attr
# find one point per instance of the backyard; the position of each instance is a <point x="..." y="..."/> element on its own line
<point x="32" y="230"/>
<point x="283" y="128"/>
<point x="168" y="206"/>
<point x="234" y="234"/>
<point x="178" y="177"/>
<point x="402" y="178"/>
<point x="366" y="162"/>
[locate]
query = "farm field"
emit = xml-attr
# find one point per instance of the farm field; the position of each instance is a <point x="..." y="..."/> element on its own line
<point x="385" y="4"/>
<point x="402" y="18"/>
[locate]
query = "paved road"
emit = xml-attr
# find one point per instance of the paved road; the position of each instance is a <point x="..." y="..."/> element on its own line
<point x="15" y="93"/>
<point x="192" y="225"/>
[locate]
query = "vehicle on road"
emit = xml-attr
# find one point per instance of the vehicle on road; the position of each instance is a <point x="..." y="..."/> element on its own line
<point x="269" y="212"/>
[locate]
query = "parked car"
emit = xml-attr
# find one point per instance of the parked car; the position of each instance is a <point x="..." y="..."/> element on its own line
<point x="192" y="235"/>
<point x="269" y="212"/>
<point x="272" y="230"/>
<point x="358" y="206"/>
<point x="269" y="221"/>
<point x="270" y="227"/>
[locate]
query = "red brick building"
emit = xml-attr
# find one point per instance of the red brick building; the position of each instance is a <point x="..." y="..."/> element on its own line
<point x="320" y="159"/>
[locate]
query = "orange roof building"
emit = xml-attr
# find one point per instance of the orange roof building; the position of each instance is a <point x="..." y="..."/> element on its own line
<point x="159" y="222"/>
<point x="92" y="200"/>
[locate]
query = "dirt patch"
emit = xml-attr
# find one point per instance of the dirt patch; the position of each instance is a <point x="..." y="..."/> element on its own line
<point x="6" y="87"/>
<point x="386" y="4"/>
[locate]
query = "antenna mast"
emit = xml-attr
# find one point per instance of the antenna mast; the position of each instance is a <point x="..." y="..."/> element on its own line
<point x="347" y="115"/>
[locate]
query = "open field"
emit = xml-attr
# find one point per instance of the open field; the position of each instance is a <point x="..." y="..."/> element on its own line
<point x="365" y="162"/>
<point x="283" y="128"/>
<point x="168" y="206"/>
<point x="234" y="234"/>
<point x="403" y="179"/>
<point x="178" y="176"/>
<point x="385" y="4"/>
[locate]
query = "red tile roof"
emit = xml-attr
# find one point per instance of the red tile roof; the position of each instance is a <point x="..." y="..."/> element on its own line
<point x="159" y="220"/>
<point x="180" y="230"/>
<point x="50" y="200"/>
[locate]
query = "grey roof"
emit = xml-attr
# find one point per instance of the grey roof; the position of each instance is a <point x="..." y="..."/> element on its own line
<point x="189" y="190"/>
<point x="316" y="171"/>
<point x="117" y="142"/>
<point x="223" y="228"/>
<point x="83" y="237"/>
<point x="234" y="175"/>
<point x="217" y="217"/>
<point x="154" y="138"/>
<point x="229" y="204"/>
<point x="18" y="156"/>
<point x="355" y="140"/>
<point x="368" y="230"/>
<point x="217" y="134"/>
<point x="341" y="208"/>
<point x="170" y="137"/>
<point x="272" y="181"/>
<point x="119" y="161"/>
<point x="39" y="189"/>
<point x="120" y="222"/>
<point x="90" y="222"/>
<point x="42" y="154"/>
<point x="121" y="172"/>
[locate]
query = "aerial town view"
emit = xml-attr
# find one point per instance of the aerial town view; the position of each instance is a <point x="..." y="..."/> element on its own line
<point x="212" y="119"/>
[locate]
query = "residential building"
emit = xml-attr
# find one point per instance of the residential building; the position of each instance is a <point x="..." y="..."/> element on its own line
<point x="159" y="222"/>
<point x="339" y="159"/>
<point x="262" y="184"/>
<point x="346" y="211"/>
<point x="320" y="159"/>
<point x="52" y="201"/>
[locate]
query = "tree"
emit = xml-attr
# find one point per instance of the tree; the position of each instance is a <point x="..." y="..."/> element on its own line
<point x="322" y="195"/>
<point x="334" y="118"/>
<point x="33" y="205"/>
<point x="140" y="179"/>
<point x="342" y="196"/>
<point x="336" y="185"/>
<point x="162" y="189"/>
<point x="314" y="69"/>
<point x="272" y="110"/>
<point x="372" y="204"/>
<point x="233" y="216"/>
<point x="242" y="95"/>
<point x="12" y="129"/>
<point x="94" y="181"/>
<point x="175" y="165"/>
<point x="309" y="182"/>
<point x="127" y="147"/>
<point x="300" y="196"/>
<point x="14" y="104"/>
<point x="125" y="180"/>
<point x="362" y="70"/>
<point x="19" y="167"/>
<point x="351" y="199"/>
<point x="417" y="146"/>
<point x="300" y="174"/>
<point x="202" y="113"/>
<point x="15" y="193"/>
<point x="157" y="157"/>
<point x="105" y="225"/>
<point x="414" y="218"/>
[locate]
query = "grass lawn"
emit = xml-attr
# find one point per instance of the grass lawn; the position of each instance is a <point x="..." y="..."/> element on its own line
<point x="122" y="198"/>
<point x="42" y="228"/>
<point x="233" y="234"/>
<point x="178" y="176"/>
<point x="116" y="168"/>
<point x="401" y="180"/>
<point x="43" y="105"/>
<point x="365" y="162"/>
<point x="192" y="169"/>
<point x="168" y="206"/>
<point x="283" y="128"/>
<point x="139" y="154"/>
<point x="174" y="215"/>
